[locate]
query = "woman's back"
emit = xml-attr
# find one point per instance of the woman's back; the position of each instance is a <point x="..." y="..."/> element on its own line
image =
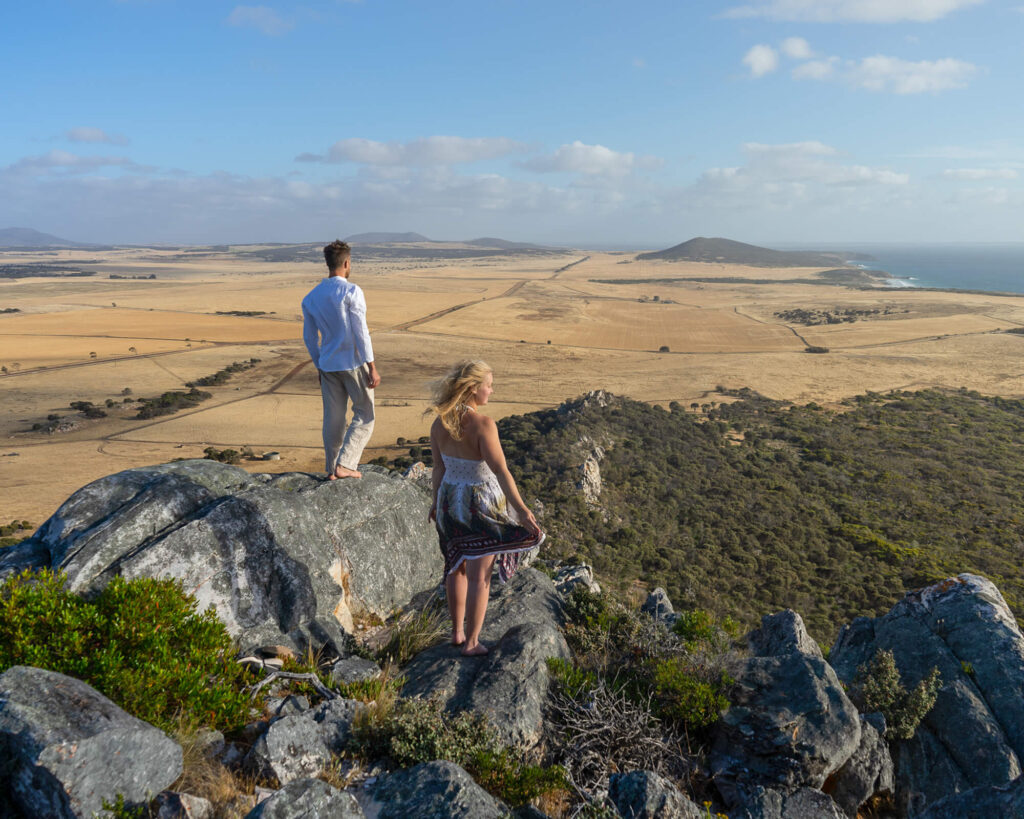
<point x="468" y="447"/>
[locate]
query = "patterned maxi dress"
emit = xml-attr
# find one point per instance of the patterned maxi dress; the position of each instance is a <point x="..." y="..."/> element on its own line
<point x="473" y="519"/>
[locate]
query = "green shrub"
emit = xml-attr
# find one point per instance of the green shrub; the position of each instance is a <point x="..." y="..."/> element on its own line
<point x="119" y="809"/>
<point x="505" y="774"/>
<point x="879" y="688"/>
<point x="415" y="731"/>
<point x="681" y="696"/>
<point x="142" y="643"/>
<point x="700" y="629"/>
<point x="573" y="680"/>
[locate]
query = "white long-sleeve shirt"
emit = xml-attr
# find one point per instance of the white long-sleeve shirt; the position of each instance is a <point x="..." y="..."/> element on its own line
<point x="334" y="325"/>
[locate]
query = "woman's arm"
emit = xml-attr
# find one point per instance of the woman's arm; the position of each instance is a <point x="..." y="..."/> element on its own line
<point x="437" y="473"/>
<point x="492" y="453"/>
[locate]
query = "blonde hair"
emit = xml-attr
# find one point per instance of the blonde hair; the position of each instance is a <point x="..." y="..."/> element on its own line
<point x="450" y="394"/>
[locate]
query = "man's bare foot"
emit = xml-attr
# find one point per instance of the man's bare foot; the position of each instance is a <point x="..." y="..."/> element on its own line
<point x="344" y="472"/>
<point x="476" y="651"/>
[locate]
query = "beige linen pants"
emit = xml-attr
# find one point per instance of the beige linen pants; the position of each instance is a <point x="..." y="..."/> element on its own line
<point x="345" y="446"/>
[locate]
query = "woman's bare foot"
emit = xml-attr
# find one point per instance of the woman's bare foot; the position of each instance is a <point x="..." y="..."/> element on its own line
<point x="458" y="638"/>
<point x="344" y="472"/>
<point x="476" y="651"/>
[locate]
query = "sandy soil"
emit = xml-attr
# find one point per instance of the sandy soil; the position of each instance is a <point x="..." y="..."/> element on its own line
<point x="425" y="314"/>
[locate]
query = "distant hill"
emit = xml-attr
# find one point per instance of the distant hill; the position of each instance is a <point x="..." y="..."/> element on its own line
<point x="387" y="238"/>
<point x="503" y="244"/>
<point x="726" y="251"/>
<point x="27" y="237"/>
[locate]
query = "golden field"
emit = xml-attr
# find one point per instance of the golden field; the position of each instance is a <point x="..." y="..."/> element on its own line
<point x="550" y="334"/>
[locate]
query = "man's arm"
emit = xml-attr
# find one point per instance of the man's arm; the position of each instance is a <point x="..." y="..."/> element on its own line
<point x="356" y="306"/>
<point x="311" y="336"/>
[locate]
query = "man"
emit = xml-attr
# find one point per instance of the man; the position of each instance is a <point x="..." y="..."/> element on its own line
<point x="335" y="310"/>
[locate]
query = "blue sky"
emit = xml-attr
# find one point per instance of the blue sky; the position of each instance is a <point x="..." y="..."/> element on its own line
<point x="604" y="124"/>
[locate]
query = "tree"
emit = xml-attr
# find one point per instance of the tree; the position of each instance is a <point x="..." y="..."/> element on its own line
<point x="3" y="370"/>
<point x="92" y="355"/>
<point x="132" y="350"/>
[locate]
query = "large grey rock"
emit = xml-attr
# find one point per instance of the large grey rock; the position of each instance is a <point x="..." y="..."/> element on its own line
<point x="67" y="748"/>
<point x="510" y="684"/>
<point x="974" y="736"/>
<point x="300" y="746"/>
<point x="868" y="772"/>
<point x="646" y="795"/>
<point x="803" y="803"/>
<point x="568" y="578"/>
<point x="790" y="724"/>
<point x="659" y="606"/>
<point x="354" y="669"/>
<point x="269" y="552"/>
<point x="782" y="634"/>
<point x="985" y="802"/>
<point x="307" y="799"/>
<point x="173" y="805"/>
<point x="435" y="790"/>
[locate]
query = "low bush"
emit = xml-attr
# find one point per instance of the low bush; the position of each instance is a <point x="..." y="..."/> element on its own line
<point x="224" y="456"/>
<point x="878" y="687"/>
<point x="142" y="643"/>
<point x="412" y="731"/>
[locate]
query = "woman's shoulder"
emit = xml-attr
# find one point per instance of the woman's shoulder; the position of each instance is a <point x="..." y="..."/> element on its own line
<point x="477" y="422"/>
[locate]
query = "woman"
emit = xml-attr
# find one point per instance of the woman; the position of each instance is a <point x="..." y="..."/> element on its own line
<point x="473" y="493"/>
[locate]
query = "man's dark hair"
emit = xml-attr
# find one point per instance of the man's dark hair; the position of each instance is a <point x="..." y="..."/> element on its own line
<point x="335" y="254"/>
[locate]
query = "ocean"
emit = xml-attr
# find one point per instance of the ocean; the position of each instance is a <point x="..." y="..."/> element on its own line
<point x="961" y="267"/>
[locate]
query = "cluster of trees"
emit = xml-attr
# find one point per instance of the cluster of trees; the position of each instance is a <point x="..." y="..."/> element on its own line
<point x="223" y="376"/>
<point x="757" y="506"/>
<point x="171" y="402"/>
<point x="839" y="315"/>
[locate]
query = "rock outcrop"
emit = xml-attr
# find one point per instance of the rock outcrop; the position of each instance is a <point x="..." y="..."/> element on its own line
<point x="270" y="552"/>
<point x="974" y="736"/>
<point x="438" y="790"/>
<point x="510" y="684"/>
<point x="66" y="748"/>
<point x="790" y="724"/>
<point x="307" y="799"/>
<point x="986" y="802"/>
<point x="868" y="772"/>
<point x="646" y="795"/>
<point x="300" y="745"/>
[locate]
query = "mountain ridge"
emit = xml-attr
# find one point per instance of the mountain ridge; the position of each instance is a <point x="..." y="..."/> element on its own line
<point x="29" y="237"/>
<point x="729" y="251"/>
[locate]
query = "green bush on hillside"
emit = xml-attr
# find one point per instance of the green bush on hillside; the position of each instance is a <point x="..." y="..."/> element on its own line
<point x="414" y="731"/>
<point x="141" y="642"/>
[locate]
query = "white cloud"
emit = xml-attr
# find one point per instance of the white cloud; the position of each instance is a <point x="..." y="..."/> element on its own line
<point x="84" y="134"/>
<point x="64" y="162"/>
<point x="590" y="160"/>
<point x="881" y="73"/>
<point x="434" y="150"/>
<point x="796" y="48"/>
<point x="261" y="18"/>
<point x="792" y="172"/>
<point x="975" y="174"/>
<point x="761" y="60"/>
<point x="859" y="11"/>
<point x="816" y="69"/>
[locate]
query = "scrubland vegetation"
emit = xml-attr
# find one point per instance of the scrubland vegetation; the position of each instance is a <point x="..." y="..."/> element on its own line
<point x="758" y="505"/>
